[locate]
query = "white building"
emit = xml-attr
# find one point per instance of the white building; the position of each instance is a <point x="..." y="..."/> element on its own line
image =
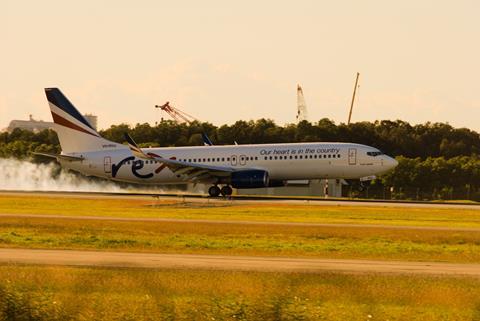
<point x="39" y="125"/>
<point x="31" y="125"/>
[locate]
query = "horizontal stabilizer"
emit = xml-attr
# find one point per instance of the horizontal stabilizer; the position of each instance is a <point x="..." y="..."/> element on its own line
<point x="59" y="156"/>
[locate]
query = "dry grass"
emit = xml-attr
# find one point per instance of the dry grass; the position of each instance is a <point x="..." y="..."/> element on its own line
<point x="62" y="293"/>
<point x="150" y="207"/>
<point x="242" y="239"/>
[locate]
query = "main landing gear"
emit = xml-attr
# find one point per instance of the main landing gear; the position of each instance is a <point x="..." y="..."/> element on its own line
<point x="226" y="190"/>
<point x="215" y="191"/>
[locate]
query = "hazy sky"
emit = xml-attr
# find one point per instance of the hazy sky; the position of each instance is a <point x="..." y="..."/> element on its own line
<point x="222" y="61"/>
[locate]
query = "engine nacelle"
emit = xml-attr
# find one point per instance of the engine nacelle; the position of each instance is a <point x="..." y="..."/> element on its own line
<point x="249" y="179"/>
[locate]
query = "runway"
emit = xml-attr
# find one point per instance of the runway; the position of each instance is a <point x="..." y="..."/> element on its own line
<point x="245" y="199"/>
<point x="222" y="262"/>
<point x="239" y="222"/>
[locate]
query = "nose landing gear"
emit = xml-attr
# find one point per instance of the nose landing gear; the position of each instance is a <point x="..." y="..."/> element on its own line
<point x="215" y="191"/>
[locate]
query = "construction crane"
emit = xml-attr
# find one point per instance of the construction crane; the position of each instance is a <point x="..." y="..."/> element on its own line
<point x="353" y="98"/>
<point x="182" y="117"/>
<point x="178" y="115"/>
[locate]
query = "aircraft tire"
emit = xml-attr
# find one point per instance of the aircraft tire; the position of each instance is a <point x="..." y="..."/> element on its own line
<point x="226" y="190"/>
<point x="214" y="191"/>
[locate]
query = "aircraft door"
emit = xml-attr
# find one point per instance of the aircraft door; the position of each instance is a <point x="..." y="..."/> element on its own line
<point x="243" y="160"/>
<point x="107" y="164"/>
<point x="233" y="160"/>
<point x="352" y="156"/>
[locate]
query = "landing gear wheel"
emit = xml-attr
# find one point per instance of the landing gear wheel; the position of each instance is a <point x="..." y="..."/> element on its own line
<point x="226" y="190"/>
<point x="214" y="191"/>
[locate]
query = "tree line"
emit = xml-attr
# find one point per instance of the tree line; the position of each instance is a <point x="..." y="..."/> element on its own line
<point x="392" y="137"/>
<point x="436" y="161"/>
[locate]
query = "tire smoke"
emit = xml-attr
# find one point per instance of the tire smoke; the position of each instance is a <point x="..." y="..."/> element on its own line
<point x="22" y="175"/>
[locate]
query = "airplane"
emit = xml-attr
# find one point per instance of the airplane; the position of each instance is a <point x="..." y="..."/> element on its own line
<point x="222" y="167"/>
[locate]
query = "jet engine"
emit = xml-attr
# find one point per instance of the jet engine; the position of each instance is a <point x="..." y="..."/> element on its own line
<point x="249" y="179"/>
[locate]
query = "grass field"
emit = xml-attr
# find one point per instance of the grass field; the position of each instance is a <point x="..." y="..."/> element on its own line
<point x="151" y="207"/>
<point x="67" y="293"/>
<point x="63" y="293"/>
<point x="242" y="239"/>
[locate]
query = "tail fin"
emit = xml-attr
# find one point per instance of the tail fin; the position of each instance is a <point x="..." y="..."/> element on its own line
<point x="75" y="133"/>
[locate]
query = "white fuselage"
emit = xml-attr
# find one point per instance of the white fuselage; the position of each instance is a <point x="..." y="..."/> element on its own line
<point x="293" y="161"/>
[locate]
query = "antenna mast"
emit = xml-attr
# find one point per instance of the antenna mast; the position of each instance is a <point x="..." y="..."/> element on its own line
<point x="353" y="98"/>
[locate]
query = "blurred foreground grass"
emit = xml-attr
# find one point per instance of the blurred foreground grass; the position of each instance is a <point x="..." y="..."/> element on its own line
<point x="65" y="293"/>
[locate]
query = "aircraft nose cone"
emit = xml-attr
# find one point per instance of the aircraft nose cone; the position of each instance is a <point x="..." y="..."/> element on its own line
<point x="391" y="162"/>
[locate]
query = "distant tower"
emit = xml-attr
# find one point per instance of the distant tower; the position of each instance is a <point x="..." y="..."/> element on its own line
<point x="301" y="105"/>
<point x="92" y="119"/>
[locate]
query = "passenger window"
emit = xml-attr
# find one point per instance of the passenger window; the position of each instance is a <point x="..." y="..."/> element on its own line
<point x="228" y="159"/>
<point x="329" y="156"/>
<point x="301" y="157"/>
<point x="296" y="156"/>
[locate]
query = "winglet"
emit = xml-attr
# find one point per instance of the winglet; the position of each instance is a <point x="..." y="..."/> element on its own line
<point x="136" y="151"/>
<point x="206" y="140"/>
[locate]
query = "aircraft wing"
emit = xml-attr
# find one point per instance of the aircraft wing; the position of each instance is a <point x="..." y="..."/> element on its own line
<point x="189" y="171"/>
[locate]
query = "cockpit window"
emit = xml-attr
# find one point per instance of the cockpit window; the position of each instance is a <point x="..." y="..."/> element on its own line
<point x="374" y="153"/>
